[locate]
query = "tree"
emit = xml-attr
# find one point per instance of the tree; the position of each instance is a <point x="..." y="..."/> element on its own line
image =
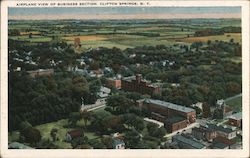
<point x="132" y="138"/>
<point x="73" y="118"/>
<point x="53" y="133"/>
<point x="108" y="142"/>
<point x="97" y="144"/>
<point x="79" y="141"/>
<point x="31" y="135"/>
<point x="86" y="116"/>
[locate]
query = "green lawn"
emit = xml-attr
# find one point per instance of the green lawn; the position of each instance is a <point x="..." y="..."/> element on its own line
<point x="235" y="103"/>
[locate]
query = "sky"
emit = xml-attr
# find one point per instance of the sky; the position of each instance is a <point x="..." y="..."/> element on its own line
<point x="124" y="12"/>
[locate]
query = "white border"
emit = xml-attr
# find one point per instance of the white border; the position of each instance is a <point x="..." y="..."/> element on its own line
<point x="5" y="152"/>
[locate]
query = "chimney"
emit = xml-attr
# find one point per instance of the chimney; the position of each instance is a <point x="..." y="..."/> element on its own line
<point x="138" y="78"/>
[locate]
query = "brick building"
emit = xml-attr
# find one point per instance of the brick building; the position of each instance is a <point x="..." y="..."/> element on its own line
<point x="168" y="110"/>
<point x="41" y="72"/>
<point x="204" y="133"/>
<point x="113" y="83"/>
<point x="175" y="123"/>
<point x="136" y="84"/>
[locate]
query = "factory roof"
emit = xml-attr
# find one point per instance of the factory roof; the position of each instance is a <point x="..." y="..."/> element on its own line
<point x="193" y="143"/>
<point x="170" y="105"/>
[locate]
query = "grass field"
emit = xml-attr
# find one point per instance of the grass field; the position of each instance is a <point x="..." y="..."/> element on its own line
<point x="226" y="37"/>
<point x="85" y="38"/>
<point x="235" y="103"/>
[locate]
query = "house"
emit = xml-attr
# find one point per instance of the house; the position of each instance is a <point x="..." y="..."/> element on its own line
<point x="104" y="93"/>
<point x="235" y="119"/>
<point x="118" y="142"/>
<point x="223" y="131"/>
<point x="204" y="133"/>
<point x="187" y="142"/>
<point x="73" y="134"/>
<point x="17" y="145"/>
<point x="175" y="123"/>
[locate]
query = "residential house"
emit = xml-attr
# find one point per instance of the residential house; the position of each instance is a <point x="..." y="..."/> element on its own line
<point x="235" y="119"/>
<point x="104" y="93"/>
<point x="73" y="134"/>
<point x="118" y="142"/>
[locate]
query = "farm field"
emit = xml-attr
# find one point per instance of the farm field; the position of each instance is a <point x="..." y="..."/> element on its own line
<point x="226" y="37"/>
<point x="121" y="34"/>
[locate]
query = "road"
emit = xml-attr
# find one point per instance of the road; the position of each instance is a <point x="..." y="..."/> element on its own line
<point x="154" y="121"/>
<point x="97" y="107"/>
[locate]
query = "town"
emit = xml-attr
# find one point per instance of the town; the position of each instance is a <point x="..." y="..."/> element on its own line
<point x="66" y="92"/>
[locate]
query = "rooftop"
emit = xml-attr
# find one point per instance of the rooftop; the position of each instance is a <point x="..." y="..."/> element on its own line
<point x="220" y="145"/>
<point x="220" y="128"/>
<point x="175" y="119"/>
<point x="190" y="142"/>
<point x="170" y="105"/>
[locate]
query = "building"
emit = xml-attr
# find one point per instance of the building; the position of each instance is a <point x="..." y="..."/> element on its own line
<point x="77" y="42"/>
<point x="41" y="72"/>
<point x="136" y="84"/>
<point x="223" y="143"/>
<point x="118" y="142"/>
<point x="187" y="143"/>
<point x="175" y="123"/>
<point x="168" y="110"/>
<point x="103" y="93"/>
<point x="204" y="133"/>
<point x="223" y="131"/>
<point x="235" y="119"/>
<point x="73" y="134"/>
<point x="113" y="83"/>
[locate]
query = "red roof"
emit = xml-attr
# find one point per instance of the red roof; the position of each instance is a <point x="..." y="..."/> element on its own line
<point x="75" y="133"/>
<point x="227" y="109"/>
<point x="224" y="140"/>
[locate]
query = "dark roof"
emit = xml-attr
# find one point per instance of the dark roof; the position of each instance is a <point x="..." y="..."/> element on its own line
<point x="220" y="128"/>
<point x="203" y="129"/>
<point x="75" y="133"/>
<point x="191" y="142"/>
<point x="220" y="145"/>
<point x="170" y="105"/>
<point x="175" y="119"/>
<point x="117" y="141"/>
